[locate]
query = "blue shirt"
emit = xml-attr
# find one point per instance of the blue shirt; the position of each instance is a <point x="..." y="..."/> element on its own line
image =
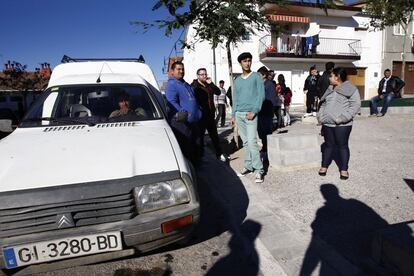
<point x="180" y="98"/>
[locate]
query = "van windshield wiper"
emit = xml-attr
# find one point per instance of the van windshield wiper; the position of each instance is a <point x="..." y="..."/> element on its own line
<point x="79" y="120"/>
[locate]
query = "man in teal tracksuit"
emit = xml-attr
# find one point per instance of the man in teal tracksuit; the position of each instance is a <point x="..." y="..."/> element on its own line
<point x="248" y="97"/>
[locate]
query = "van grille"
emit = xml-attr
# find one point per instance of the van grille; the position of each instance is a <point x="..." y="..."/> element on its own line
<point x="122" y="124"/>
<point x="40" y="218"/>
<point x="63" y="128"/>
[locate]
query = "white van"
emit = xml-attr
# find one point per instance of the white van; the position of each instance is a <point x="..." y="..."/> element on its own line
<point x="93" y="168"/>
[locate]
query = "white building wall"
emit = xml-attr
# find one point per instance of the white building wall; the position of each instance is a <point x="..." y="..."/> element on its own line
<point x="201" y="56"/>
<point x="295" y="72"/>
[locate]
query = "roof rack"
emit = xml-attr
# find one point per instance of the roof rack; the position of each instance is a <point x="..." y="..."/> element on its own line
<point x="67" y="59"/>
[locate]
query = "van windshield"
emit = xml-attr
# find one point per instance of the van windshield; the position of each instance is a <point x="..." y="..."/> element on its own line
<point x="92" y="104"/>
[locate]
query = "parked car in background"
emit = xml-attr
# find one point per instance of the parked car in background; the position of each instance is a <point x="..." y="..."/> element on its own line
<point x="93" y="169"/>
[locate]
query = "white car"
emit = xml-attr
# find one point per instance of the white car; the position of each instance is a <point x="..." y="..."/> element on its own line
<point x="93" y="168"/>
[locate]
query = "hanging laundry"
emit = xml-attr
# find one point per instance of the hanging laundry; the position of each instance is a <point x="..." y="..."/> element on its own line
<point x="309" y="42"/>
<point x="315" y="40"/>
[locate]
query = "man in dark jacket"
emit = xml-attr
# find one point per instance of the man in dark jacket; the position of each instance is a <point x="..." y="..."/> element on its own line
<point x="388" y="89"/>
<point x="183" y="113"/>
<point x="323" y="82"/>
<point x="205" y="90"/>
<point x="311" y="91"/>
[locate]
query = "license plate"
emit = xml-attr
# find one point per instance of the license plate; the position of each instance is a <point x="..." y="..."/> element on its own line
<point x="40" y="252"/>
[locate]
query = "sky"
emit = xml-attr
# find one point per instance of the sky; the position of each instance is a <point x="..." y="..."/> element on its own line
<point x="37" y="31"/>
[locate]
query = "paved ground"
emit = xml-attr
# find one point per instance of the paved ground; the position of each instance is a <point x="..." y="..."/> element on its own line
<point x="340" y="215"/>
<point x="295" y="223"/>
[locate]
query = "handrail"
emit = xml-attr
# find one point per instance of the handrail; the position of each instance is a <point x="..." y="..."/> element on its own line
<point x="286" y="44"/>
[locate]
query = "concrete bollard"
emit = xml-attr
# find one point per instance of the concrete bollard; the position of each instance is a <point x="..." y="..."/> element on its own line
<point x="289" y="152"/>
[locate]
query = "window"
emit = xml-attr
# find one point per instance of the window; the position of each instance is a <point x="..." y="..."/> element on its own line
<point x="85" y="104"/>
<point x="246" y="37"/>
<point x="411" y="67"/>
<point x="398" y="30"/>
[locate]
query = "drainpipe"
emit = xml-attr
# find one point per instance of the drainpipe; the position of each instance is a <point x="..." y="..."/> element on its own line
<point x="215" y="66"/>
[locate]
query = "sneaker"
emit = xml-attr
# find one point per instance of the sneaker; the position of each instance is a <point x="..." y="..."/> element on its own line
<point x="224" y="158"/>
<point x="314" y="114"/>
<point x="380" y="114"/>
<point x="373" y="115"/>
<point x="245" y="172"/>
<point x="259" y="178"/>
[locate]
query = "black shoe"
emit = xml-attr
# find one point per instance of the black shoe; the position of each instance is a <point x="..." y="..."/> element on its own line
<point x="322" y="171"/>
<point x="245" y="172"/>
<point x="344" y="176"/>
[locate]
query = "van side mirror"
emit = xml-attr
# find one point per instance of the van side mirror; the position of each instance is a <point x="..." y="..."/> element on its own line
<point x="6" y="125"/>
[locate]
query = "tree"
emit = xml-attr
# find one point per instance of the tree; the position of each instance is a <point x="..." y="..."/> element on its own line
<point x="217" y="21"/>
<point x="16" y="77"/>
<point x="385" y="13"/>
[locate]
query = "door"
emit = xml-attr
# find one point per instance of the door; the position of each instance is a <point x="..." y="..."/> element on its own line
<point x="409" y="75"/>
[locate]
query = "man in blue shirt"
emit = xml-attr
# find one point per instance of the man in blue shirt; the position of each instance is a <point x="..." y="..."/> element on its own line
<point x="248" y="98"/>
<point x="183" y="113"/>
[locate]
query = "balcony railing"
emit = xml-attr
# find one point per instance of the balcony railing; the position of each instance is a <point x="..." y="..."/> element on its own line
<point x="295" y="46"/>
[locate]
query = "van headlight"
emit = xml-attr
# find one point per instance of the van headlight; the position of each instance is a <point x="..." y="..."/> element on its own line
<point x="160" y="195"/>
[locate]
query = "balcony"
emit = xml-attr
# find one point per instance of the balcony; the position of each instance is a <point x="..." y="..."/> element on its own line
<point x="293" y="49"/>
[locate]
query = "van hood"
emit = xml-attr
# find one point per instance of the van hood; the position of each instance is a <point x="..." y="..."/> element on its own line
<point x="44" y="157"/>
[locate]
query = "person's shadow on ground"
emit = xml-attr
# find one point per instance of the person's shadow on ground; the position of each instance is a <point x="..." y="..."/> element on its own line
<point x="347" y="226"/>
<point x="223" y="208"/>
<point x="243" y="258"/>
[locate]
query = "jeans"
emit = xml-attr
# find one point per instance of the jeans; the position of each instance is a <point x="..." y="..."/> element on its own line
<point x="387" y="100"/>
<point x="336" y="142"/>
<point x="248" y="134"/>
<point x="286" y="117"/>
<point x="188" y="137"/>
<point x="278" y="114"/>
<point x="221" y="114"/>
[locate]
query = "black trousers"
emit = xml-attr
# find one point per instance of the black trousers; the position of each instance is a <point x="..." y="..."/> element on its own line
<point x="221" y="114"/>
<point x="336" y="143"/>
<point x="188" y="137"/>
<point x="311" y="102"/>
<point x="208" y="123"/>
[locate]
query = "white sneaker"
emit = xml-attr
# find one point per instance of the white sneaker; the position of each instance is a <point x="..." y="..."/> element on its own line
<point x="224" y="158"/>
<point x="259" y="178"/>
<point x="314" y="114"/>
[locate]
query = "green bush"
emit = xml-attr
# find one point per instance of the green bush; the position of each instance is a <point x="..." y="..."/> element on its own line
<point x="395" y="102"/>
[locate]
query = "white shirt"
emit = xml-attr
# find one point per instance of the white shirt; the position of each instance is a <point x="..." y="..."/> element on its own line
<point x="384" y="88"/>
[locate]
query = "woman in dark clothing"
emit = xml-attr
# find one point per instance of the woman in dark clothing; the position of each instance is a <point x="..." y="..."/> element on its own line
<point x="265" y="119"/>
<point x="339" y="105"/>
<point x="280" y="98"/>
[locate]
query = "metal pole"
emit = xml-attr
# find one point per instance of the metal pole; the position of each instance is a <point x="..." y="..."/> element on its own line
<point x="214" y="66"/>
